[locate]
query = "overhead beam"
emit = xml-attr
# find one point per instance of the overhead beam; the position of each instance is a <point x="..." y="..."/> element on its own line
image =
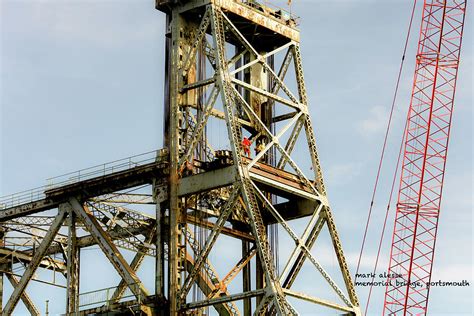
<point x="15" y="256"/>
<point x="125" y="198"/>
<point x="232" y="232"/>
<point x="259" y="18"/>
<point x="207" y="181"/>
<point x="27" y="209"/>
<point x="293" y="209"/>
<point x="221" y="115"/>
<point x="224" y="299"/>
<point x="274" y="182"/>
<point x="89" y="240"/>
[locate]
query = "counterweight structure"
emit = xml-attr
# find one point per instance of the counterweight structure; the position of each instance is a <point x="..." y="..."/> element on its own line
<point x="425" y="152"/>
<point x="231" y="67"/>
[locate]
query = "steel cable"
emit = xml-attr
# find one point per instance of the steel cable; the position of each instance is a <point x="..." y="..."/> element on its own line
<point x="387" y="131"/>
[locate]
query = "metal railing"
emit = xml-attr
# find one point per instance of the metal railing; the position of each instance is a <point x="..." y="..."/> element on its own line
<point x="81" y="175"/>
<point x="104" y="297"/>
<point x="273" y="10"/>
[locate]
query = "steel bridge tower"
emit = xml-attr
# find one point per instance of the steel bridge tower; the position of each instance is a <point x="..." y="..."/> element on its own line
<point x="233" y="72"/>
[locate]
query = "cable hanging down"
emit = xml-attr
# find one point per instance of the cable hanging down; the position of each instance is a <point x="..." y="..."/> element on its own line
<point x="384" y="146"/>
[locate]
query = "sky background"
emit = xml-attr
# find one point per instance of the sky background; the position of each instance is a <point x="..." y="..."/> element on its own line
<point x="81" y="83"/>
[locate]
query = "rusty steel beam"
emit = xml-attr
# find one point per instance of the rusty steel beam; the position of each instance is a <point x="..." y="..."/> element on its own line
<point x="73" y="261"/>
<point x="87" y="241"/>
<point x="224" y="299"/>
<point x="10" y="256"/>
<point x="35" y="261"/>
<point x="27" y="209"/>
<point x="125" y="198"/>
<point x="232" y="232"/>
<point x="94" y="187"/>
<point x="206" y="181"/>
<point x="257" y="17"/>
<point x="109" y="249"/>
<point x="134" y="265"/>
<point x="207" y="286"/>
<point x="25" y="298"/>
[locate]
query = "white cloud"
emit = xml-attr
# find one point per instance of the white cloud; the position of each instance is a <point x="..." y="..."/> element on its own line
<point x="374" y="123"/>
<point x="342" y="173"/>
<point x="452" y="272"/>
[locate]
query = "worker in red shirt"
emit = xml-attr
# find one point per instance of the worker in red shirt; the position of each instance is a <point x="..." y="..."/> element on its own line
<point x="246" y="146"/>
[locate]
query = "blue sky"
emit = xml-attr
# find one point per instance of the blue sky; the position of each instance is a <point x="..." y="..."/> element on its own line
<point x="81" y="83"/>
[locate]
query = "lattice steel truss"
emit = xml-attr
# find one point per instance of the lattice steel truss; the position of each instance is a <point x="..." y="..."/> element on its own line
<point x="425" y="151"/>
<point x="243" y="116"/>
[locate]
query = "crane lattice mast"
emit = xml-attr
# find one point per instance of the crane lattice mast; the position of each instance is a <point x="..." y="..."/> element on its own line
<point x="425" y="151"/>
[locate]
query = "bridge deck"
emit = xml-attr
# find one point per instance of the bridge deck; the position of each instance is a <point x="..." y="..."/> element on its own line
<point x="131" y="172"/>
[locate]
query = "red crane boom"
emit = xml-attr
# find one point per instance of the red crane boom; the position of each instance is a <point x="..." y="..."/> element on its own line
<point x="424" y="160"/>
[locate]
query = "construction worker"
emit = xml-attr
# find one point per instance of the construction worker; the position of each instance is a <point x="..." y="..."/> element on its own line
<point x="260" y="147"/>
<point x="189" y="168"/>
<point x="186" y="169"/>
<point x="246" y="146"/>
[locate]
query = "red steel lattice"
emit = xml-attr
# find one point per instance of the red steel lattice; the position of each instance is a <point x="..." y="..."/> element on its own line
<point x="425" y="151"/>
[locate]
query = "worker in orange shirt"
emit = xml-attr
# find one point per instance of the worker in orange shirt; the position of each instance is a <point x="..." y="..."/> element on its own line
<point x="246" y="146"/>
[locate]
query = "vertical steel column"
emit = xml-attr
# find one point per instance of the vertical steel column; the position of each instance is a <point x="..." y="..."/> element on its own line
<point x="174" y="258"/>
<point x="1" y="291"/>
<point x="160" y="252"/>
<point x="2" y="244"/>
<point x="73" y="259"/>
<point x="259" y="278"/>
<point x="247" y="280"/>
<point x="160" y="195"/>
<point x="166" y="101"/>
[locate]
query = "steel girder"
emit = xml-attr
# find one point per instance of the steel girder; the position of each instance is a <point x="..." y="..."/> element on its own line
<point x="25" y="298"/>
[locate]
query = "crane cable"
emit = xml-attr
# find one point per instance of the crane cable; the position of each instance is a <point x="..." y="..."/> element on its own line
<point x="382" y="234"/>
<point x="385" y="145"/>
